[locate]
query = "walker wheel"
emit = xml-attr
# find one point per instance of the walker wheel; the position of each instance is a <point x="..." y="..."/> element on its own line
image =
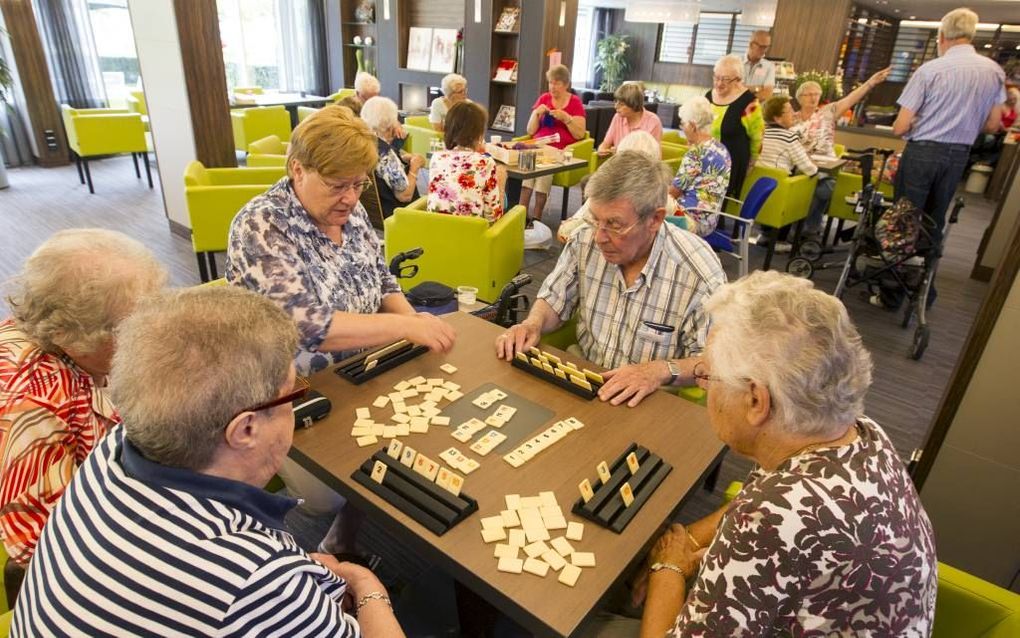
<point x="811" y="250"/>
<point x="800" y="267"/>
<point x="920" y="343"/>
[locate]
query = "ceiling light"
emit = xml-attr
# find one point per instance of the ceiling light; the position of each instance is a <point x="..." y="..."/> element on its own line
<point x="988" y="46"/>
<point x="663" y="11"/>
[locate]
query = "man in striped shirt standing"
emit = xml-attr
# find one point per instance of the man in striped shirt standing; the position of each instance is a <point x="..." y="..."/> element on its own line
<point x="943" y="107"/>
<point x="166" y="530"/>
<point x="637" y="285"/>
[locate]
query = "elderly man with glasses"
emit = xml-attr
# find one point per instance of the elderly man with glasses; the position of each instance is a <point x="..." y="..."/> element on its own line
<point x="166" y="529"/>
<point x="759" y="73"/>
<point x="636" y="284"/>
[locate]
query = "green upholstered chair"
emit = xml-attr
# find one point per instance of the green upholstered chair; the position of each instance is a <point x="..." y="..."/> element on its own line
<point x="673" y="155"/>
<point x="847" y="184"/>
<point x="214" y="195"/>
<point x="5" y="624"/>
<point x="304" y="111"/>
<point x="3" y="594"/>
<point x="341" y="94"/>
<point x="968" y="607"/>
<point x="93" y="132"/>
<point x="248" y="90"/>
<point x="582" y="149"/>
<point x="136" y="104"/>
<point x="268" y="151"/>
<point x="258" y="122"/>
<point x="419" y="134"/>
<point x="673" y="137"/>
<point x="788" y="204"/>
<point x="459" y="250"/>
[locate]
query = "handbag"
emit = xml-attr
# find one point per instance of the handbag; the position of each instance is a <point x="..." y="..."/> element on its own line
<point x="433" y="297"/>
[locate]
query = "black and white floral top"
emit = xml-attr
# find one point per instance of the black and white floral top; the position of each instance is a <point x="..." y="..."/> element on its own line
<point x="834" y="542"/>
<point x="276" y="251"/>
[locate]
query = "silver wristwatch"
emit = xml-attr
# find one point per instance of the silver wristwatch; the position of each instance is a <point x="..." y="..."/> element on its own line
<point x="674" y="371"/>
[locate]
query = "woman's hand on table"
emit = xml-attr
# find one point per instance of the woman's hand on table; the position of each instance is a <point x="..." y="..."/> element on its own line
<point x="518" y="338"/>
<point x="428" y="330"/>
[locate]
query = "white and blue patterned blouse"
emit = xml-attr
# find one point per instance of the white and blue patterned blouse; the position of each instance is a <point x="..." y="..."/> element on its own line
<point x="276" y="251"/>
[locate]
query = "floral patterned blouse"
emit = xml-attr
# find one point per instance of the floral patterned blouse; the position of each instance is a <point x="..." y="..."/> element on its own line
<point x="703" y="177"/>
<point x="834" y="542"/>
<point x="275" y="250"/>
<point x="818" y="132"/>
<point x="463" y="182"/>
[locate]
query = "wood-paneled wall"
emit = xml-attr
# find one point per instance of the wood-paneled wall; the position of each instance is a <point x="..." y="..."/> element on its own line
<point x="445" y="14"/>
<point x="809" y="33"/>
<point x="643" y="54"/>
<point x="30" y="58"/>
<point x="198" y="29"/>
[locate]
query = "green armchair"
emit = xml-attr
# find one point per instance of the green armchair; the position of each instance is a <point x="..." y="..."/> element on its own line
<point x="341" y="94"/>
<point x="268" y="151"/>
<point x="673" y="136"/>
<point x="788" y="204"/>
<point x="136" y="104"/>
<point x="93" y="132"/>
<point x="257" y="122"/>
<point x="847" y="184"/>
<point x="419" y="134"/>
<point x="968" y="607"/>
<point x="459" y="250"/>
<point x="214" y="195"/>
<point x="673" y="155"/>
<point x="304" y="111"/>
<point x="582" y="149"/>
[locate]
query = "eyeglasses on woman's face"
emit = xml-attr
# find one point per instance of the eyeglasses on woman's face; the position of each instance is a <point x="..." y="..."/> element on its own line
<point x="338" y="189"/>
<point x="722" y="79"/>
<point x="701" y="376"/>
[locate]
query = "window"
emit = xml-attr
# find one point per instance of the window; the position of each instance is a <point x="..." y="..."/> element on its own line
<point x="248" y="30"/>
<point x="582" y="47"/>
<point x="715" y="35"/>
<point x="712" y="39"/>
<point x="115" y="48"/>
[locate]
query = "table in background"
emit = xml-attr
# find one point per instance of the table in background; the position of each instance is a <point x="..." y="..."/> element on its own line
<point x="516" y="176"/>
<point x="289" y="100"/>
<point x="828" y="164"/>
<point x="669" y="426"/>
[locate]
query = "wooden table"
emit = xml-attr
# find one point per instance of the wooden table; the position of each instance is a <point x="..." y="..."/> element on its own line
<point x="673" y="428"/>
<point x="516" y="176"/>
<point x="289" y="100"/>
<point x="828" y="164"/>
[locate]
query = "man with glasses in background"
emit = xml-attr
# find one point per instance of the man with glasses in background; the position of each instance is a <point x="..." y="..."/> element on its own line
<point x="759" y="73"/>
<point x="636" y="283"/>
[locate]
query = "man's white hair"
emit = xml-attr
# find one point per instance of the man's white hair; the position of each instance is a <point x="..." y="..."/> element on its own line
<point x="642" y="142"/>
<point x="366" y="83"/>
<point x="451" y="82"/>
<point x="777" y="330"/>
<point x="380" y="113"/>
<point x="959" y="23"/>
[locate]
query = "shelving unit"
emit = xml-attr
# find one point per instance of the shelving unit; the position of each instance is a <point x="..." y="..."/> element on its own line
<point x="349" y="28"/>
<point x="505" y="45"/>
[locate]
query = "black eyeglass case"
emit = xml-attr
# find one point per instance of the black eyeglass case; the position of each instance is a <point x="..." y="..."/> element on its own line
<point x="310" y="408"/>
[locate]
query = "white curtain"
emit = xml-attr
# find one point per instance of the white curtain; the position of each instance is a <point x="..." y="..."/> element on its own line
<point x="300" y="45"/>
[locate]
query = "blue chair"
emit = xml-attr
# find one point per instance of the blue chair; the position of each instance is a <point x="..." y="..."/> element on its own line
<point x="720" y="240"/>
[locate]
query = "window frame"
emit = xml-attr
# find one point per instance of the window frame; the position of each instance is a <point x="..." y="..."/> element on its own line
<point x="692" y="48"/>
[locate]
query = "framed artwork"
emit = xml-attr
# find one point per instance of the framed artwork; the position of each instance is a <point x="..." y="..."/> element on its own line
<point x="419" y="48"/>
<point x="507" y="22"/>
<point x="505" y="118"/>
<point x="444" y="50"/>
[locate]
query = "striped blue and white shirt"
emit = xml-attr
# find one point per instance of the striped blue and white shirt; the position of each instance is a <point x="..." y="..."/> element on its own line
<point x="135" y="548"/>
<point x="680" y="274"/>
<point x="952" y="95"/>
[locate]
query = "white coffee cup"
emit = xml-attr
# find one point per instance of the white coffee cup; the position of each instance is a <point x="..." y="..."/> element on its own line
<point x="568" y="156"/>
<point x="496" y="139"/>
<point x="466" y="295"/>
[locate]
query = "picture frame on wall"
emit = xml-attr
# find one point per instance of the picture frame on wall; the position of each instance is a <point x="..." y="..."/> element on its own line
<point x="419" y="48"/>
<point x="508" y="20"/>
<point x="444" y="51"/>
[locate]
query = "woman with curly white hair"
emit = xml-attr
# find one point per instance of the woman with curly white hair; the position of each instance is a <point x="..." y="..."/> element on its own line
<point x="704" y="174"/>
<point x="55" y="353"/>
<point x="454" y="88"/>
<point x="828" y="535"/>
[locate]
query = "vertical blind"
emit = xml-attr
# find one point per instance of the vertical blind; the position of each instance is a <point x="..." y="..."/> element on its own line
<point x="715" y="35"/>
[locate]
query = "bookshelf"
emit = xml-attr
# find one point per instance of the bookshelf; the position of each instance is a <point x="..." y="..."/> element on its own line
<point x="358" y="38"/>
<point x="504" y="50"/>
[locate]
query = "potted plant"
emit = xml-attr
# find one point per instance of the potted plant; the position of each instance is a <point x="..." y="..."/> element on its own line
<point x="6" y="81"/>
<point x="611" y="59"/>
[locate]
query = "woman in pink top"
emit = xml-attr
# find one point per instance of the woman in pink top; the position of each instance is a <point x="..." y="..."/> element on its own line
<point x="630" y="116"/>
<point x="558" y="111"/>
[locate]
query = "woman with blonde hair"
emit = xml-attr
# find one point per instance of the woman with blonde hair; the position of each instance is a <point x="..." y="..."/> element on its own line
<point x="307" y="245"/>
<point x="55" y="354"/>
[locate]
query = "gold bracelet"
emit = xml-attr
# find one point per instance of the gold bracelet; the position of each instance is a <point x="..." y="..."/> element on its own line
<point x="376" y="595"/>
<point x="693" y="540"/>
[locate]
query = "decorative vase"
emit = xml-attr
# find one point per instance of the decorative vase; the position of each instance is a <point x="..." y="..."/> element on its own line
<point x="365" y="11"/>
